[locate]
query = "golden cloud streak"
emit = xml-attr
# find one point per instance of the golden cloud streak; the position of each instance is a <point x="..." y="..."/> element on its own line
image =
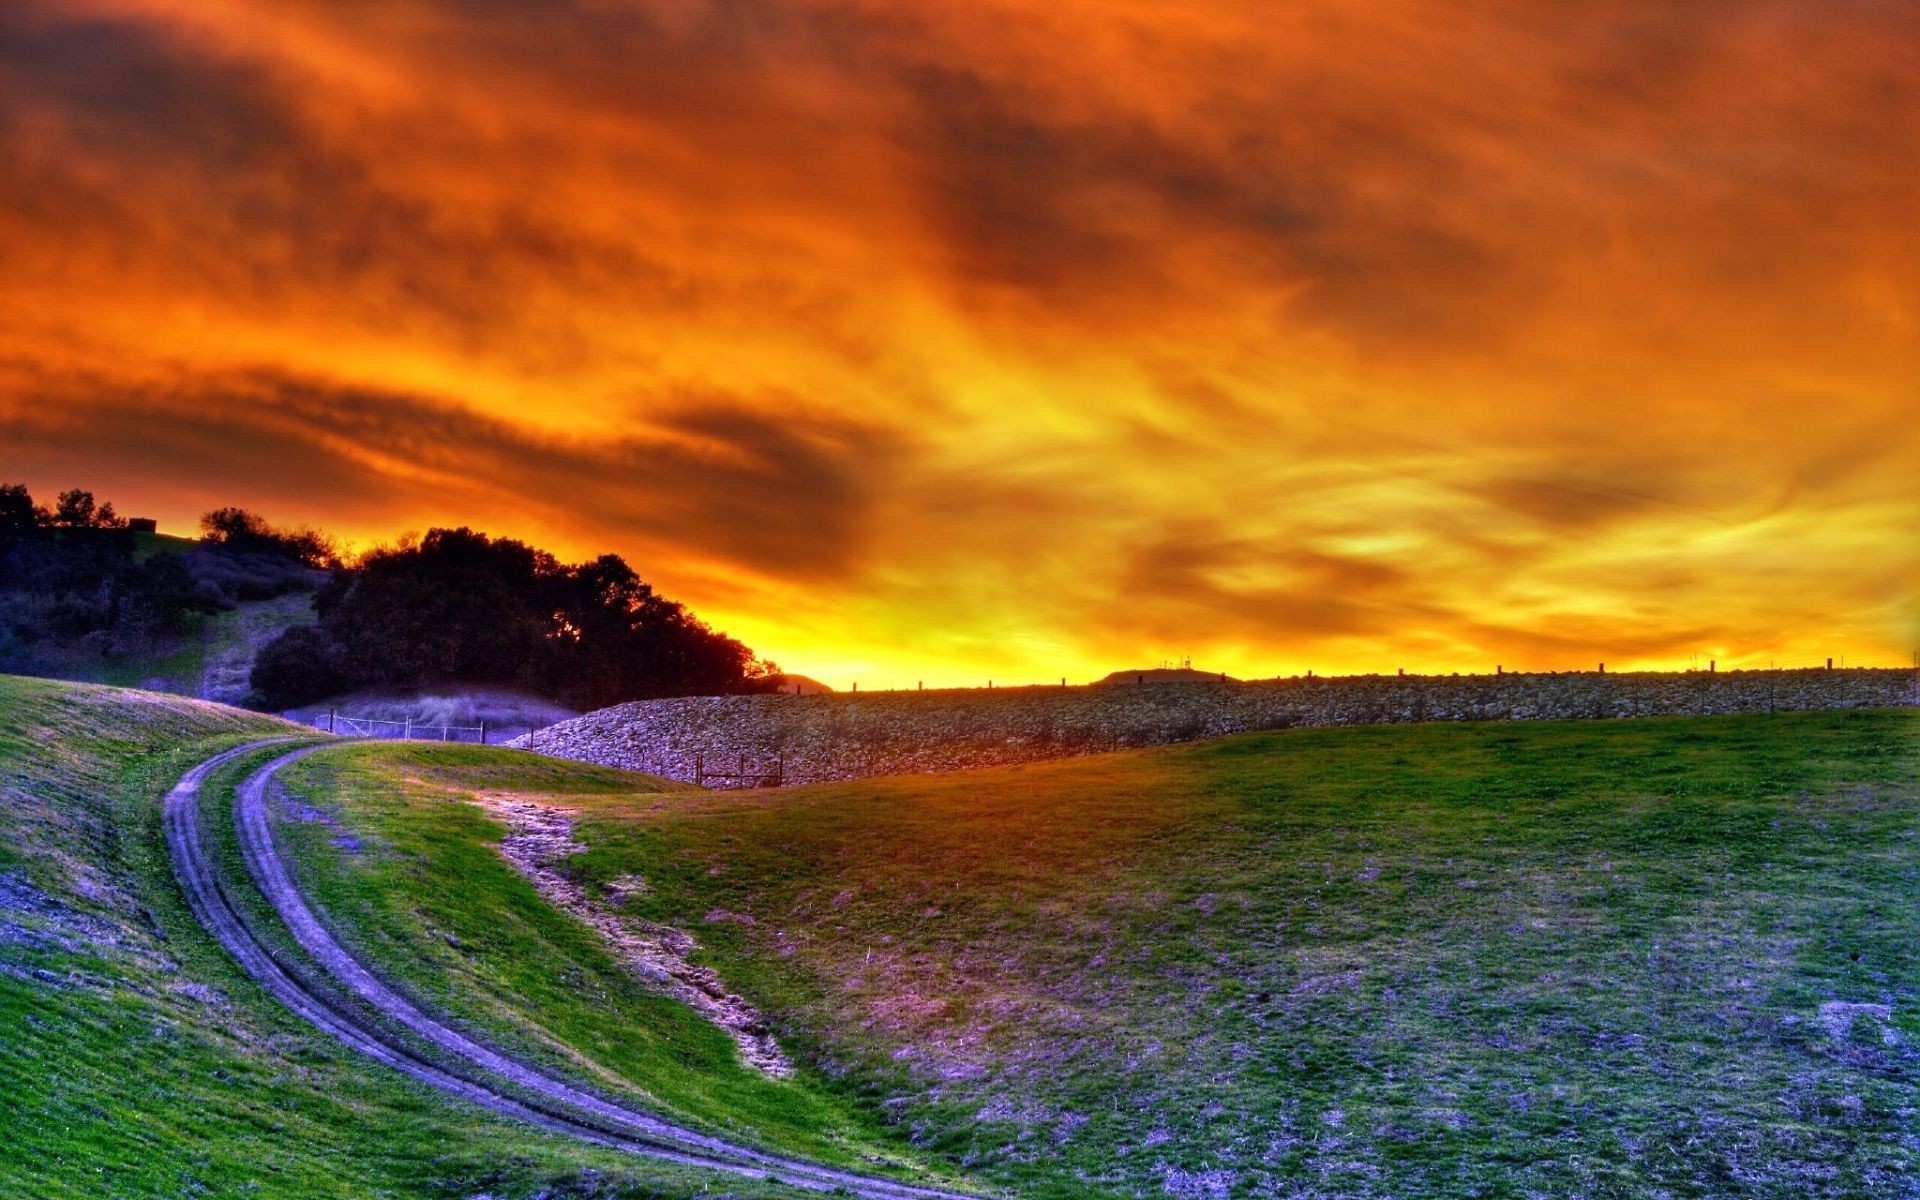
<point x="1010" y="340"/>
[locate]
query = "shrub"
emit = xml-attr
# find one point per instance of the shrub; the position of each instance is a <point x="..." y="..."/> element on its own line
<point x="295" y="668"/>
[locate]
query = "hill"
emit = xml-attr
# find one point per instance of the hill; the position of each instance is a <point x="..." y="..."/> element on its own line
<point x="1635" y="958"/>
<point x="139" y="1061"/>
<point x="1164" y="675"/>
<point x="1642" y="958"/>
<point x="275" y="618"/>
<point x="104" y="603"/>
<point x="810" y="739"/>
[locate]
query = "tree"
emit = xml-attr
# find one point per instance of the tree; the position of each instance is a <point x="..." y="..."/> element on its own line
<point x="75" y="509"/>
<point x="231" y="525"/>
<point x="458" y="606"/>
<point x="18" y="517"/>
<point x="244" y="532"/>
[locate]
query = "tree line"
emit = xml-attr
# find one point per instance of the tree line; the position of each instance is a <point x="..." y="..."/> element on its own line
<point x="460" y="607"/>
<point x="455" y="607"/>
<point x="76" y="584"/>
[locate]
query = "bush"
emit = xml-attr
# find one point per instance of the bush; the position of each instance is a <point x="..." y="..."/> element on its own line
<point x="295" y="668"/>
<point x="242" y="532"/>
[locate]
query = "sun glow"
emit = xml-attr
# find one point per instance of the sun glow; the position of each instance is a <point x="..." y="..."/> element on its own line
<point x="1010" y="341"/>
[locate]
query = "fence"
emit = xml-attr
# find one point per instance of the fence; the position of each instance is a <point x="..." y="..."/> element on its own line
<point x="742" y="776"/>
<point x="372" y="727"/>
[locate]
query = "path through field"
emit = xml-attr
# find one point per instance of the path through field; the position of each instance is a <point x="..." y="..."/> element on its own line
<point x="392" y="1030"/>
<point x="234" y="639"/>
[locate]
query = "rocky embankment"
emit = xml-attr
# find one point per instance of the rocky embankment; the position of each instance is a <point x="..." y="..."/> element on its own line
<point x="731" y="741"/>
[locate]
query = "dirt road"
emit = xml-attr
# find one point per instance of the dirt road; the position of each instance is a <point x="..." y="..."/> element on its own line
<point x="340" y="995"/>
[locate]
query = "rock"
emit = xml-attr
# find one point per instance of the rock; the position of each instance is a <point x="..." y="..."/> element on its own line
<point x="838" y="736"/>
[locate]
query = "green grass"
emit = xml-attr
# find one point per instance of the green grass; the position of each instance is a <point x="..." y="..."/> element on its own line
<point x="178" y="663"/>
<point x="1581" y="959"/>
<point x="137" y="1061"/>
<point x="1505" y="960"/>
<point x="411" y="878"/>
<point x="172" y="663"/>
<point x="147" y="545"/>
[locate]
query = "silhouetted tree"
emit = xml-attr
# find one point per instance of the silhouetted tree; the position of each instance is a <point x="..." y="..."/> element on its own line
<point x="18" y="517"/>
<point x="244" y="532"/>
<point x="461" y="607"/>
<point x="75" y="509"/>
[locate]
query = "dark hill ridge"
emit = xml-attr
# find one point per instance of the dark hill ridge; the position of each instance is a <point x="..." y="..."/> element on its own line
<point x="856" y="735"/>
<point x="1165" y="675"/>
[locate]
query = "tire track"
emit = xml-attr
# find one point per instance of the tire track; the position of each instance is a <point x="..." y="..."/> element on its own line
<point x="444" y="1058"/>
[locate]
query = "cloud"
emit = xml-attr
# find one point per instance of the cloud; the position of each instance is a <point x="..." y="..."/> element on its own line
<point x="1006" y="332"/>
<point x="712" y="480"/>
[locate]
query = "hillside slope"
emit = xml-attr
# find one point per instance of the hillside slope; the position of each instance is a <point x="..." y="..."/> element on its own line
<point x="136" y="1060"/>
<point x="239" y="601"/>
<point x="1655" y="958"/>
<point x="733" y="741"/>
<point x="449" y="918"/>
<point x="1670" y="957"/>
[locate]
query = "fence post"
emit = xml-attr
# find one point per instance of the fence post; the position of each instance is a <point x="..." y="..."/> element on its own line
<point x="483" y="733"/>
<point x="406" y="730"/>
<point x="331" y="713"/>
<point x="699" y="770"/>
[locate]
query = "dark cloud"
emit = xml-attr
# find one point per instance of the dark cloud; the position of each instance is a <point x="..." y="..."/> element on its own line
<point x="712" y="480"/>
<point x="1030" y="201"/>
<point x="1301" y="593"/>
<point x="1564" y="504"/>
<point x="220" y="168"/>
<point x="124" y="91"/>
<point x="1321" y="325"/>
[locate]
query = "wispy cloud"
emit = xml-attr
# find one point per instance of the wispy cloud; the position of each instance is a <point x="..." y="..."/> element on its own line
<point x="945" y="340"/>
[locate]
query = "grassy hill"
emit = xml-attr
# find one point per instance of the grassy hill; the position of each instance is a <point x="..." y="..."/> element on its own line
<point x="137" y="1061"/>
<point x="381" y="836"/>
<point x="212" y="656"/>
<point x="210" y="660"/>
<point x="1672" y="957"/>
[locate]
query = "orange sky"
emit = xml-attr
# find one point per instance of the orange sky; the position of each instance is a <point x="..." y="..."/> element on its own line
<point x="1013" y="340"/>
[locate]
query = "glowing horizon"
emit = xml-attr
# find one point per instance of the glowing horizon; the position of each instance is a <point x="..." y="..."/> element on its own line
<point x="1007" y="340"/>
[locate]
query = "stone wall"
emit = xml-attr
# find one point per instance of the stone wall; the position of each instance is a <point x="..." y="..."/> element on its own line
<point x="855" y="735"/>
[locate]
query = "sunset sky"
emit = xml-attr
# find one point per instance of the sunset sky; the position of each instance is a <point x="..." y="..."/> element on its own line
<point x="950" y="341"/>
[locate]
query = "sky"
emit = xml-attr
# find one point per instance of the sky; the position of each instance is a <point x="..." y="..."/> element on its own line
<point x="1005" y="340"/>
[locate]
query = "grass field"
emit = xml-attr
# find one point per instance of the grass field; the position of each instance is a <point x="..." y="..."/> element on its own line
<point x="1675" y="957"/>
<point x="415" y="885"/>
<point x="1663" y="958"/>
<point x="137" y="1061"/>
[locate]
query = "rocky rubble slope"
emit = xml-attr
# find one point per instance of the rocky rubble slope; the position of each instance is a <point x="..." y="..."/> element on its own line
<point x="808" y="739"/>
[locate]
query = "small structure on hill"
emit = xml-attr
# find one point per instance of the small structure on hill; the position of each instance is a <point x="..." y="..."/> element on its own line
<point x="800" y="685"/>
<point x="1181" y="672"/>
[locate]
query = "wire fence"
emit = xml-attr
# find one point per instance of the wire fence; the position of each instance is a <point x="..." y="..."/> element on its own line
<point x="374" y="727"/>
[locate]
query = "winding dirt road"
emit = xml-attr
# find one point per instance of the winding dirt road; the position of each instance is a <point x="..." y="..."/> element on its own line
<point x="391" y="1029"/>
